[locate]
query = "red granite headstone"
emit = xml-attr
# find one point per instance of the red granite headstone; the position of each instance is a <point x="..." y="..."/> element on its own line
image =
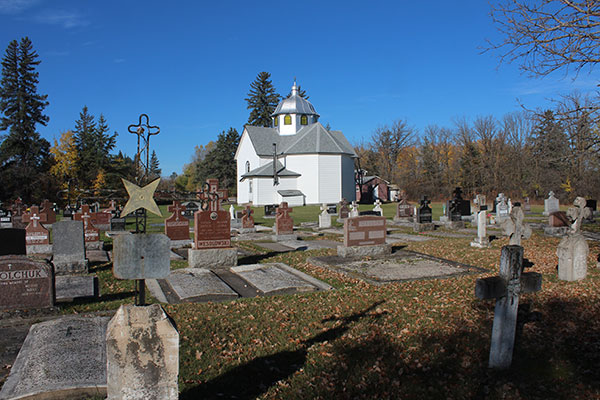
<point x="18" y="208"/>
<point x="35" y="233"/>
<point x="364" y="231"/>
<point x="344" y="210"/>
<point x="101" y="219"/>
<point x="211" y="224"/>
<point x="48" y="211"/>
<point x="247" y="219"/>
<point x="91" y="233"/>
<point x="25" y="283"/>
<point x="558" y="219"/>
<point x="177" y="227"/>
<point x="284" y="224"/>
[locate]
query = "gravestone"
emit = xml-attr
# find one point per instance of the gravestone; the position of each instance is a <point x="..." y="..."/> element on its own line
<point x="480" y="201"/>
<point x="506" y="289"/>
<point x="5" y="219"/>
<point x="404" y="211"/>
<point x="248" y="220"/>
<point x="364" y="236"/>
<point x="25" y="283"/>
<point x="48" y="211"/>
<point x="212" y="236"/>
<point x="36" y="235"/>
<point x="142" y="354"/>
<point x="117" y="224"/>
<point x="558" y="219"/>
<point x="457" y="207"/>
<point x="344" y="211"/>
<point x="91" y="233"/>
<point x="101" y="220"/>
<point x="270" y="210"/>
<point x="284" y="224"/>
<point x="515" y="228"/>
<point x="12" y="242"/>
<point x="377" y="207"/>
<point x="324" y="217"/>
<point x="177" y="227"/>
<point x="191" y="208"/>
<point x="424" y="216"/>
<point x="482" y="240"/>
<point x="502" y="212"/>
<point x="141" y="256"/>
<point x="526" y="205"/>
<point x="354" y="209"/>
<point x="332" y="209"/>
<point x="551" y="204"/>
<point x="68" y="248"/>
<point x="573" y="249"/>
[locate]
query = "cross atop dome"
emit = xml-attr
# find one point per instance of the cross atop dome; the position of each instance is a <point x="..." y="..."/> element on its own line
<point x="293" y="113"/>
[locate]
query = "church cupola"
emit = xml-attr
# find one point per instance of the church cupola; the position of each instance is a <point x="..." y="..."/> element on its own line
<point x="293" y="113"/>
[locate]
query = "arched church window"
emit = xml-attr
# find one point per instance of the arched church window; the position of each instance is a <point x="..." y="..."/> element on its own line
<point x="287" y="120"/>
<point x="247" y="166"/>
<point x="304" y="120"/>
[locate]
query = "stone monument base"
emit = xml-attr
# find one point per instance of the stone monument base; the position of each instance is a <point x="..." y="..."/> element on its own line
<point x="247" y="230"/>
<point x="284" y="238"/>
<point x="212" y="258"/>
<point x="176" y="244"/>
<point x="454" y="224"/>
<point x="39" y="249"/>
<point x="403" y="219"/>
<point x="70" y="287"/>
<point x="94" y="245"/>
<point x="481" y="243"/>
<point x="364" y="251"/>
<point x="556" y="230"/>
<point x="70" y="267"/>
<point x="418" y="227"/>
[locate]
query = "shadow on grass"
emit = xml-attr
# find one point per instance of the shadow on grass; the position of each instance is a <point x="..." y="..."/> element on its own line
<point x="250" y="380"/>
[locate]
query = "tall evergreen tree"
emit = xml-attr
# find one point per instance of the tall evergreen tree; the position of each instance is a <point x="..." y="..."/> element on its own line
<point x="220" y="163"/>
<point x="154" y="170"/>
<point x="262" y="100"/>
<point x="24" y="155"/>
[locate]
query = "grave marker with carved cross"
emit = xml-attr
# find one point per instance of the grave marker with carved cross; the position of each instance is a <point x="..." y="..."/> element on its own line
<point x="515" y="227"/>
<point x="35" y="232"/>
<point x="177" y="227"/>
<point x="284" y="225"/>
<point x="211" y="223"/>
<point x="247" y="219"/>
<point x="90" y="232"/>
<point x="48" y="211"/>
<point x="506" y="289"/>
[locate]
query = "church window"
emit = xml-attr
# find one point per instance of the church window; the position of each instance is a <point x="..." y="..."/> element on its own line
<point x="250" y="186"/>
<point x="247" y="166"/>
<point x="276" y="122"/>
<point x="287" y="120"/>
<point x="304" y="120"/>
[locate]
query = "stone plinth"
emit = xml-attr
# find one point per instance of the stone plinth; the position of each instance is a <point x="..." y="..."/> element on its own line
<point x="418" y="227"/>
<point x="142" y="354"/>
<point x="284" y="238"/>
<point x="39" y="249"/>
<point x="364" y="251"/>
<point x="454" y="224"/>
<point x="212" y="258"/>
<point x="559" y="231"/>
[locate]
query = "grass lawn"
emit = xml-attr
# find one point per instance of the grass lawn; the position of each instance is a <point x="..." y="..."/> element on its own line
<point x="407" y="340"/>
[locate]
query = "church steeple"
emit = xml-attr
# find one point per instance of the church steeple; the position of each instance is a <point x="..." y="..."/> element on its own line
<point x="293" y="113"/>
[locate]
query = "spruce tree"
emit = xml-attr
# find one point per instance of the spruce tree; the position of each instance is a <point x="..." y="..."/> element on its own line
<point x="154" y="168"/>
<point x="24" y="156"/>
<point x="220" y="163"/>
<point x="262" y="100"/>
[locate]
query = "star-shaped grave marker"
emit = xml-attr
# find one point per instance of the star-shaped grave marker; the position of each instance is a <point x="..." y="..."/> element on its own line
<point x="141" y="197"/>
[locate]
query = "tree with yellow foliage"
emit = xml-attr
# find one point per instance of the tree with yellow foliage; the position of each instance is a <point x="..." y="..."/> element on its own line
<point x="65" y="156"/>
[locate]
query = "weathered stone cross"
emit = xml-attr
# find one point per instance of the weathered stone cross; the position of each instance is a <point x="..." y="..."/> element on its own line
<point x="506" y="288"/>
<point x="515" y="228"/>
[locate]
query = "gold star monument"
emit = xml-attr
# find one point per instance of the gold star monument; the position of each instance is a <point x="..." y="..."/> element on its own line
<point x="141" y="197"/>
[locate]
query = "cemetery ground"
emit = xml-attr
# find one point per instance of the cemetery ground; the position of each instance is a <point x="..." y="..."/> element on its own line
<point x="416" y="339"/>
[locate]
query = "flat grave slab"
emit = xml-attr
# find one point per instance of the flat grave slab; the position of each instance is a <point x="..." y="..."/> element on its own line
<point x="274" y="278"/>
<point x="97" y="255"/>
<point x="395" y="237"/>
<point x="189" y="285"/>
<point x="402" y="265"/>
<point x="275" y="246"/>
<point x="70" y="287"/>
<point x="62" y="358"/>
<point x="311" y="244"/>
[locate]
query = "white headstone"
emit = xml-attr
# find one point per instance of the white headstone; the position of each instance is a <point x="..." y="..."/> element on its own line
<point x="354" y="209"/>
<point x="482" y="239"/>
<point x="232" y="211"/>
<point x="324" y="218"/>
<point x="551" y="204"/>
<point x="573" y="249"/>
<point x="377" y="207"/>
<point x="142" y="354"/>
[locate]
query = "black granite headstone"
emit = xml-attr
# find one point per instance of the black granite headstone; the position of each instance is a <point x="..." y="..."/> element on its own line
<point x="270" y="209"/>
<point x="592" y="204"/>
<point x="12" y="242"/>
<point x="424" y="215"/>
<point x="370" y="212"/>
<point x="331" y="208"/>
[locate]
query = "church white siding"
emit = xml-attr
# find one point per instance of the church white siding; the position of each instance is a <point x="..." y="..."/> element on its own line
<point x="330" y="180"/>
<point x="245" y="155"/>
<point x="308" y="182"/>
<point x="265" y="193"/>
<point x="348" y="184"/>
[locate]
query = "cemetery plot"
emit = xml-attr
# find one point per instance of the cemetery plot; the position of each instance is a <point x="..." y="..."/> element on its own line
<point x="60" y="358"/>
<point x="191" y="285"/>
<point x="402" y="265"/>
<point x="273" y="278"/>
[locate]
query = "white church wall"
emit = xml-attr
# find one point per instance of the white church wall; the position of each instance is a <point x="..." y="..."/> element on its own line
<point x="330" y="180"/>
<point x="245" y="153"/>
<point x="308" y="182"/>
<point x="348" y="184"/>
<point x="265" y="193"/>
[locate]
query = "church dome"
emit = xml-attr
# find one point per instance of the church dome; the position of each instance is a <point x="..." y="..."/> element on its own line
<point x="295" y="104"/>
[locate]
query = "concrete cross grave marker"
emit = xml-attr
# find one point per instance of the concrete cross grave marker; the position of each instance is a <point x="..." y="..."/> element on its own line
<point x="573" y="249"/>
<point x="324" y="217"/>
<point x="515" y="228"/>
<point x="506" y="289"/>
<point x="284" y="225"/>
<point x="177" y="227"/>
<point x="377" y="207"/>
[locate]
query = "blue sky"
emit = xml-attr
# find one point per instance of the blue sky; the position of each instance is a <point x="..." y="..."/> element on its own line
<point x="189" y="64"/>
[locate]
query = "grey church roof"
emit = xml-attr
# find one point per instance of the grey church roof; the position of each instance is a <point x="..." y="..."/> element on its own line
<point x="266" y="171"/>
<point x="295" y="104"/>
<point x="311" y="139"/>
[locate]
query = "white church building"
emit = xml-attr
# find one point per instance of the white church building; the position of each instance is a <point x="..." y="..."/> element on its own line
<point x="313" y="165"/>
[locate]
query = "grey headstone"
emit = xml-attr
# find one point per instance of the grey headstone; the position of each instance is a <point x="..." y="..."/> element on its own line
<point x="144" y="256"/>
<point x="68" y="247"/>
<point x="60" y="358"/>
<point x="69" y="287"/>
